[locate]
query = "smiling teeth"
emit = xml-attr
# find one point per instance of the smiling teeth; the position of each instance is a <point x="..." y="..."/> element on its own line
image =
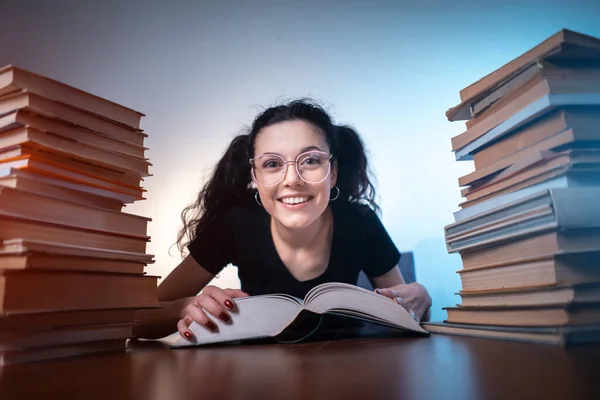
<point x="294" y="200"/>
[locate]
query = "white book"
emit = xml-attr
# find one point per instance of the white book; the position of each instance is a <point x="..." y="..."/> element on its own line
<point x="539" y="107"/>
<point x="558" y="182"/>
<point x="278" y="315"/>
<point x="555" y="208"/>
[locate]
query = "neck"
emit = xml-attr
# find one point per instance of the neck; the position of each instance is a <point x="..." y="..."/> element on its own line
<point x="303" y="237"/>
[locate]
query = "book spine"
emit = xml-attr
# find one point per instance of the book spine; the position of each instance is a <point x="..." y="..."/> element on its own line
<point x="525" y="115"/>
<point x="508" y="198"/>
<point x="576" y="207"/>
<point x="520" y="118"/>
<point x="498" y="214"/>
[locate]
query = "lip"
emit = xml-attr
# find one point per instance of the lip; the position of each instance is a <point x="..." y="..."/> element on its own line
<point x="295" y="206"/>
<point x="287" y="196"/>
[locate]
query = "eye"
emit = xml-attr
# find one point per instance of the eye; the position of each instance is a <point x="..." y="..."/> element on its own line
<point x="312" y="159"/>
<point x="271" y="163"/>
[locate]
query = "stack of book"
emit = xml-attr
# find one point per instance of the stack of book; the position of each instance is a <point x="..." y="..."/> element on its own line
<point x="528" y="231"/>
<point x="71" y="261"/>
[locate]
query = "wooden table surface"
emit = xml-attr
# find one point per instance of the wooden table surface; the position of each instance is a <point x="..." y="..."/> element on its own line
<point x="438" y="367"/>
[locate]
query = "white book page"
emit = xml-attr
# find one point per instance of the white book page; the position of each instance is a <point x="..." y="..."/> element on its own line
<point x="335" y="286"/>
<point x="254" y="317"/>
<point x="355" y="301"/>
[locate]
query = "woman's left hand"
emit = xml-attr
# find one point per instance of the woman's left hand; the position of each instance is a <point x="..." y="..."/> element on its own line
<point x="412" y="296"/>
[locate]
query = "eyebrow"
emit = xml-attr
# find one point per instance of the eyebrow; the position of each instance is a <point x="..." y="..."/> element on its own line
<point x="310" y="148"/>
<point x="304" y="150"/>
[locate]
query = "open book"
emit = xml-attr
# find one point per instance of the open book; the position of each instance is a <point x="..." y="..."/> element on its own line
<point x="288" y="319"/>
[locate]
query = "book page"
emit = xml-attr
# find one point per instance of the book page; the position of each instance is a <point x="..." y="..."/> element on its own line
<point x="360" y="303"/>
<point x="255" y="317"/>
<point x="334" y="286"/>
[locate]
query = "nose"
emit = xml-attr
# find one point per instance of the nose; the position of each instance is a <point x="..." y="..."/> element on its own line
<point x="292" y="177"/>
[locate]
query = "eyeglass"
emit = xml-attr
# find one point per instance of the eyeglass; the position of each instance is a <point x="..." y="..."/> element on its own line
<point x="311" y="167"/>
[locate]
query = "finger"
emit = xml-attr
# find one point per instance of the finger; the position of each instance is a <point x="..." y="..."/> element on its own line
<point x="224" y="297"/>
<point x="413" y="315"/>
<point x="184" y="330"/>
<point x="400" y="301"/>
<point x="410" y="310"/>
<point x="412" y="307"/>
<point x="213" y="307"/>
<point x="392" y="294"/>
<point x="407" y="307"/>
<point x="197" y="314"/>
<point x="235" y="293"/>
<point x="404" y="298"/>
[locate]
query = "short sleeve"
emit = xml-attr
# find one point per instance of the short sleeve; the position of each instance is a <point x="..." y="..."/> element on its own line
<point x="211" y="248"/>
<point x="381" y="253"/>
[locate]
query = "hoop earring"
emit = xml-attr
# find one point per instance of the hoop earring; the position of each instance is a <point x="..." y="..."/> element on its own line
<point x="336" y="195"/>
<point x="257" y="199"/>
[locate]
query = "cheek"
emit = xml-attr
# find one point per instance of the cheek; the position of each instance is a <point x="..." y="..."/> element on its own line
<point x="323" y="189"/>
<point x="267" y="196"/>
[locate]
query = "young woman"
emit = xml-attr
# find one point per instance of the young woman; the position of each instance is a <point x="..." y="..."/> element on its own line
<point x="291" y="205"/>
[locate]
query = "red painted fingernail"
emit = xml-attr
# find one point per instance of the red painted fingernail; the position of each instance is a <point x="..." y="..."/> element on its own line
<point x="224" y="317"/>
<point x="187" y="335"/>
<point x="378" y="291"/>
<point x="229" y="304"/>
<point x="211" y="325"/>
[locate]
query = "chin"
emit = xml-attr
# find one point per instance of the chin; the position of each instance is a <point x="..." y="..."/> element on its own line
<point x="296" y="219"/>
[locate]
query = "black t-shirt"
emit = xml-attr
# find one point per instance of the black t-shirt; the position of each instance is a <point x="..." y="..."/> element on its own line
<point x="242" y="236"/>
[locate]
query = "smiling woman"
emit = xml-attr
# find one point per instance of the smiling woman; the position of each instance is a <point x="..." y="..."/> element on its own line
<point x="305" y="187"/>
<point x="291" y="204"/>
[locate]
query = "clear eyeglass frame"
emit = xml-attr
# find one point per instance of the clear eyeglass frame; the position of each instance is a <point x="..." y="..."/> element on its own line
<point x="287" y="163"/>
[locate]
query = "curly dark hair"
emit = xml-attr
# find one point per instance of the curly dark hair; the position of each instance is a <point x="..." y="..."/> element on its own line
<point x="230" y="182"/>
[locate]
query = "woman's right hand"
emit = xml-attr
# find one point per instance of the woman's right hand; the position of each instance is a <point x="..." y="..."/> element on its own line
<point x="212" y="301"/>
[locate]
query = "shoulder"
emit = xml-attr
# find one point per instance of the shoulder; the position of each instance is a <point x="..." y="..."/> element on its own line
<point x="356" y="213"/>
<point x="228" y="221"/>
<point x="353" y="208"/>
<point x="241" y="215"/>
<point x="229" y="224"/>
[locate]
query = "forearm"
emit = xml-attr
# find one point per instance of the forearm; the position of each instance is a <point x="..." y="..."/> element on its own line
<point x="157" y="323"/>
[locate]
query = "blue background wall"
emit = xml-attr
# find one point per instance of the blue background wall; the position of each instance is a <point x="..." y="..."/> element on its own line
<point x="201" y="71"/>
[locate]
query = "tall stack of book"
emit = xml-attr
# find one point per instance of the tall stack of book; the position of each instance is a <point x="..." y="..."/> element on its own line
<point x="71" y="261"/>
<point x="528" y="231"/>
